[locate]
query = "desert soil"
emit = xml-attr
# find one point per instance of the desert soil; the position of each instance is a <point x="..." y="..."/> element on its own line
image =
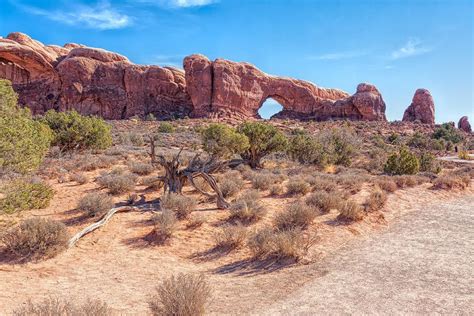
<point x="412" y="246"/>
<point x="424" y="264"/>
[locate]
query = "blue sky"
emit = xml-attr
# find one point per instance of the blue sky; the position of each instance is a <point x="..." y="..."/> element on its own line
<point x="397" y="45"/>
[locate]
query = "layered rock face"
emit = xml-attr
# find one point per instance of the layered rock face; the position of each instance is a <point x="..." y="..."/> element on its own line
<point x="95" y="81"/>
<point x="464" y="124"/>
<point x="421" y="109"/>
<point x="90" y="80"/>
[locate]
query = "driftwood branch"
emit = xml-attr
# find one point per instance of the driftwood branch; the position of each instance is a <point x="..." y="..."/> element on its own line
<point x="100" y="223"/>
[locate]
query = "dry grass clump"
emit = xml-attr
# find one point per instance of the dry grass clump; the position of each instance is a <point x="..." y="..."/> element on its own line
<point x="376" y="200"/>
<point x="263" y="180"/>
<point x="230" y="186"/>
<point x="141" y="168"/>
<point x="405" y="181"/>
<point x="90" y="163"/>
<point x="247" y="208"/>
<point x="296" y="215"/>
<point x="350" y="212"/>
<point x="230" y="237"/>
<point x="451" y="181"/>
<point x="196" y="221"/>
<point x="182" y="205"/>
<point x="276" y="189"/>
<point x="351" y="182"/>
<point x="387" y="184"/>
<point x="95" y="204"/>
<point x="183" y="295"/>
<point x="297" y="187"/>
<point x="165" y="225"/>
<point x="202" y="184"/>
<point x="35" y="238"/>
<point x="79" y="178"/>
<point x="280" y="244"/>
<point x="117" y="181"/>
<point x="323" y="201"/>
<point x="322" y="183"/>
<point x="152" y="182"/>
<point x="58" y="307"/>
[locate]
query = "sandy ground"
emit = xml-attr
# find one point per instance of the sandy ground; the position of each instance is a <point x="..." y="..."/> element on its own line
<point x="424" y="264"/>
<point x="457" y="160"/>
<point x="117" y="265"/>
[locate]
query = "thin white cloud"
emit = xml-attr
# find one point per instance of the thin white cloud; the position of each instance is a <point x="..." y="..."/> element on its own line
<point x="413" y="47"/>
<point x="338" y="55"/>
<point x="100" y="16"/>
<point x="178" y="3"/>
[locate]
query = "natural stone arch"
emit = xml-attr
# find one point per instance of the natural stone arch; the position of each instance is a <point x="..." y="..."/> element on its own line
<point x="277" y="99"/>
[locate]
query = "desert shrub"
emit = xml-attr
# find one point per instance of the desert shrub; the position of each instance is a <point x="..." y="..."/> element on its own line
<point x="451" y="181"/>
<point x="74" y="131"/>
<point x="377" y="159"/>
<point x="403" y="162"/>
<point x="141" y="168"/>
<point x="264" y="139"/>
<point x="35" y="238"/>
<point x="182" y="294"/>
<point x="296" y="215"/>
<point x="230" y="186"/>
<point x="79" y="178"/>
<point x="263" y="180"/>
<point x="150" y="117"/>
<point x="276" y="189"/>
<point x="230" y="237"/>
<point x="351" y="182"/>
<point x="165" y="127"/>
<point x="449" y="133"/>
<point x="340" y="145"/>
<point x="376" y="200"/>
<point x="418" y="140"/>
<point x="152" y="182"/>
<point x="24" y="142"/>
<point x="223" y="141"/>
<point x="286" y="244"/>
<point x="307" y="150"/>
<point x="247" y="208"/>
<point x="406" y="181"/>
<point x="25" y="195"/>
<point x="323" y="201"/>
<point x="58" y="307"/>
<point x="178" y="203"/>
<point x="464" y="155"/>
<point x="117" y="182"/>
<point x="350" y="212"/>
<point x="95" y="204"/>
<point x="387" y="184"/>
<point x="322" y="183"/>
<point x="202" y="184"/>
<point x="165" y="224"/>
<point x="297" y="187"/>
<point x="393" y="139"/>
<point x="196" y="221"/>
<point x="428" y="163"/>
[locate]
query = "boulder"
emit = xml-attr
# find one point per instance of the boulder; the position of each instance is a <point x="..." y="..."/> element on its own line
<point x="421" y="109"/>
<point x="464" y="124"/>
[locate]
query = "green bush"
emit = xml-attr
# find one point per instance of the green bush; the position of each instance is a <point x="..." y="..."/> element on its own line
<point x="449" y="133"/>
<point x="23" y="141"/>
<point x="403" y="162"/>
<point x="165" y="127"/>
<point x="223" y="141"/>
<point x="340" y="145"/>
<point x="22" y="195"/>
<point x="428" y="163"/>
<point x="264" y="139"/>
<point x="74" y="131"/>
<point x="307" y="150"/>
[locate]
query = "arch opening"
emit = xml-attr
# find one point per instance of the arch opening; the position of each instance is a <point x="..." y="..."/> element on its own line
<point x="269" y="108"/>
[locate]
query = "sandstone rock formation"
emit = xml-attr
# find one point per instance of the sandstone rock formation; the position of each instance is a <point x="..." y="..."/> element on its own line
<point x="90" y="80"/>
<point x="464" y="124"/>
<point x="421" y="109"/>
<point x="95" y="81"/>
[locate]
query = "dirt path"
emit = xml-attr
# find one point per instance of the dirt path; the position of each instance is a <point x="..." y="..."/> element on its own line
<point x="423" y="264"/>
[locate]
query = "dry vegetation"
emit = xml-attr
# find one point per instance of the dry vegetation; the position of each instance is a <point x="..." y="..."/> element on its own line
<point x="278" y="212"/>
